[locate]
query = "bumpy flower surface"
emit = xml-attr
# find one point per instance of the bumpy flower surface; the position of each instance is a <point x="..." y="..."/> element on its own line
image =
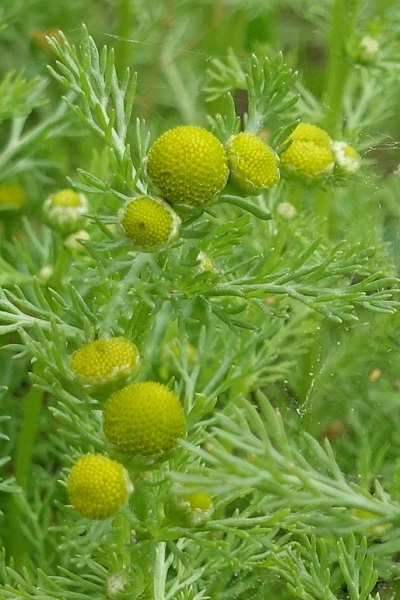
<point x="253" y="164"/>
<point x="103" y="362"/>
<point x="97" y="486"/>
<point x="143" y="418"/>
<point x="310" y="154"/>
<point x="188" y="165"/>
<point x="64" y="211"/>
<point x="149" y="223"/>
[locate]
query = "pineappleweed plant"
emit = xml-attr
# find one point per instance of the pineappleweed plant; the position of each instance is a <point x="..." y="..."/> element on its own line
<point x="175" y="329"/>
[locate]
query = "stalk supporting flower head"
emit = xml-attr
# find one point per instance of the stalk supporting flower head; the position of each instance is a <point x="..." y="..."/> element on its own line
<point x="98" y="486"/>
<point x="144" y="419"/>
<point x="188" y="165"/>
<point x="104" y="362"/>
<point x="310" y="154"/>
<point x="149" y="223"/>
<point x="253" y="164"/>
<point x="64" y="211"/>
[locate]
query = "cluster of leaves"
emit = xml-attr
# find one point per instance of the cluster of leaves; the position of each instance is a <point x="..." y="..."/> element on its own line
<point x="241" y="302"/>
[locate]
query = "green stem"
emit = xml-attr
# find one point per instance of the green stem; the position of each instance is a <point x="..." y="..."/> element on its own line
<point x="122" y="538"/>
<point x="343" y="24"/>
<point x="124" y="48"/>
<point x="23" y="459"/>
<point x="160" y="572"/>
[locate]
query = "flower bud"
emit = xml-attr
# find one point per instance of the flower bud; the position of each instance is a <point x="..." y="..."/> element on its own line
<point x="253" y="164"/>
<point x="188" y="165"/>
<point x="286" y="210"/>
<point x="144" y="419"/>
<point x="105" y="362"/>
<point x="199" y="506"/>
<point x="347" y="158"/>
<point x="98" y="486"/>
<point x="368" y="49"/>
<point x="149" y="223"/>
<point x="309" y="155"/>
<point x="64" y="211"/>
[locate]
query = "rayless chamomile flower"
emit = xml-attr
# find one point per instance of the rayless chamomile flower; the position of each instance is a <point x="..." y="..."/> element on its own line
<point x="105" y="362"/>
<point x="64" y="210"/>
<point x="253" y="164"/>
<point x="309" y="155"/>
<point x="188" y="165"/>
<point x="149" y="223"/>
<point x="144" y="419"/>
<point x="98" y="487"/>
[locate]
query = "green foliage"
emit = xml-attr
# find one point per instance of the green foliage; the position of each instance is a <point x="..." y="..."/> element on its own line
<point x="273" y="318"/>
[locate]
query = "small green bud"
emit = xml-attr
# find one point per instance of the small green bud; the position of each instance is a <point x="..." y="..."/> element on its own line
<point x="149" y="223"/>
<point x="368" y="50"/>
<point x="199" y="506"/>
<point x="188" y="165"/>
<point x="64" y="210"/>
<point x="253" y="164"/>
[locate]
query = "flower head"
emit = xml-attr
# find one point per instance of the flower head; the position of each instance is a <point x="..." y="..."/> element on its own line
<point x="104" y="362"/>
<point x="149" y="223"/>
<point x="188" y="165"/>
<point x="199" y="506"/>
<point x="64" y="211"/>
<point x="253" y="164"/>
<point x="309" y="154"/>
<point x="98" y="486"/>
<point x="144" y="418"/>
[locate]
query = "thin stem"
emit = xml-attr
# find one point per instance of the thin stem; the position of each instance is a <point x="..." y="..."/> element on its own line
<point x="160" y="572"/>
<point x="343" y="24"/>
<point x="124" y="49"/>
<point x="23" y="459"/>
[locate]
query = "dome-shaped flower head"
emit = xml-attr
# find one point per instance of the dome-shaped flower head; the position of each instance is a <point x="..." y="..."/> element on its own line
<point x="149" y="223"/>
<point x="199" y="506"/>
<point x="347" y="158"/>
<point x="98" y="486"/>
<point x="253" y="164"/>
<point x="64" y="211"/>
<point x="144" y="419"/>
<point x="309" y="154"/>
<point x="188" y="165"/>
<point x="104" y="362"/>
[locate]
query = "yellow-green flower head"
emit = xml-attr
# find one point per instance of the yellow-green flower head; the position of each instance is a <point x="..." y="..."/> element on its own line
<point x="149" y="223"/>
<point x="253" y="164"/>
<point x="346" y="157"/>
<point x="188" y="165"/>
<point x="309" y="154"/>
<point x="64" y="211"/>
<point x="104" y="362"/>
<point x="98" y="486"/>
<point x="199" y="505"/>
<point x="144" y="419"/>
